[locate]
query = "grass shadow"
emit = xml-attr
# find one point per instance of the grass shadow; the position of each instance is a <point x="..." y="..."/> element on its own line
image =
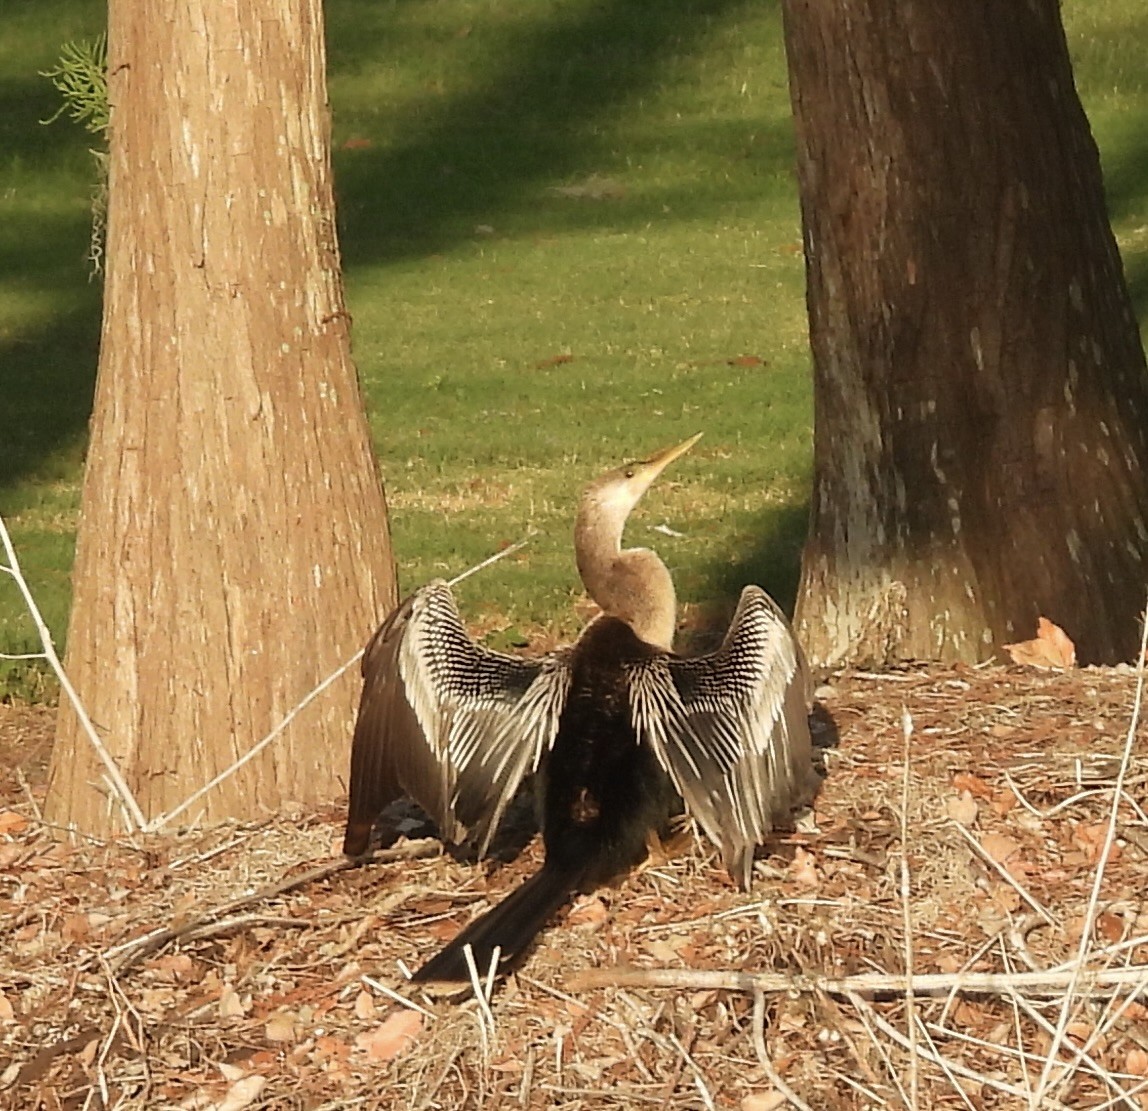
<point x="547" y="108"/>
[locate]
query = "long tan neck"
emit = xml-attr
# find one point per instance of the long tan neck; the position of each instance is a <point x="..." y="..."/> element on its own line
<point x="631" y="584"/>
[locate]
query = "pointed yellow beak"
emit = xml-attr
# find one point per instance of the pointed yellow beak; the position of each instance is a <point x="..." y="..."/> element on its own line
<point x="659" y="461"/>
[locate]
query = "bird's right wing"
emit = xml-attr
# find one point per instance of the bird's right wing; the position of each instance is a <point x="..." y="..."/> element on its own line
<point x="451" y="724"/>
<point x="731" y="729"/>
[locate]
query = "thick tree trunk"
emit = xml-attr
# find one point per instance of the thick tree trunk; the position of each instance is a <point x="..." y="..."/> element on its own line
<point x="980" y="388"/>
<point x="233" y="544"/>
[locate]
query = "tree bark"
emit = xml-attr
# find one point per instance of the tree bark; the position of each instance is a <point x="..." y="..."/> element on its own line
<point x="980" y="391"/>
<point x="233" y="546"/>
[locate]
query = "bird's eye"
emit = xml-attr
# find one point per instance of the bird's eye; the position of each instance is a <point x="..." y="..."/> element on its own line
<point x="629" y="472"/>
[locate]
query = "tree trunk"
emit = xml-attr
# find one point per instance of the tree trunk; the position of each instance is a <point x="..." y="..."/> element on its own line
<point x="233" y="545"/>
<point x="980" y="389"/>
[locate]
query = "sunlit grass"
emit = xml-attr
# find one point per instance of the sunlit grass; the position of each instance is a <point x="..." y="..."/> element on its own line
<point x="513" y="340"/>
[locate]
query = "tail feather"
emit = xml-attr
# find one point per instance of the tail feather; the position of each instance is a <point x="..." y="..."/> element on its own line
<point x="509" y="927"/>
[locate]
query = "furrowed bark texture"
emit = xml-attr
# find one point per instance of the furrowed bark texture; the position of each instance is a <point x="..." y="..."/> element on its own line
<point x="981" y="406"/>
<point x="233" y="545"/>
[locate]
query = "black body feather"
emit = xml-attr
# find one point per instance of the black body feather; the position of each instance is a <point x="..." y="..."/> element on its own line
<point x="600" y="794"/>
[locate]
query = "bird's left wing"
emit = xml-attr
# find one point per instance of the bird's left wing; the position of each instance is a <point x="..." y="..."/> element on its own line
<point x="731" y="729"/>
<point x="446" y="721"/>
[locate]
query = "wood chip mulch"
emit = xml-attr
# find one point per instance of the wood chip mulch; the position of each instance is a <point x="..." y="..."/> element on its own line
<point x="213" y="969"/>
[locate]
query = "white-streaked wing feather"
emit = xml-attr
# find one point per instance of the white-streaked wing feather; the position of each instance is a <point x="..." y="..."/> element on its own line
<point x="731" y="729"/>
<point x="448" y="722"/>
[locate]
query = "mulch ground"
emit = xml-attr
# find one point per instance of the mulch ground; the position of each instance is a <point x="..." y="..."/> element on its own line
<point x="206" y="970"/>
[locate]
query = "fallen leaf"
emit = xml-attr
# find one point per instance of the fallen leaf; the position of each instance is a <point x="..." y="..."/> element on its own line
<point x="230" y="1005"/>
<point x="594" y="188"/>
<point x="1136" y="1062"/>
<point x="999" y="847"/>
<point x="280" y="1027"/>
<point x="590" y="911"/>
<point x="242" y="1093"/>
<point x="803" y="869"/>
<point x="12" y="822"/>
<point x="1110" y="927"/>
<point x="966" y="781"/>
<point x="364" y="1005"/>
<point x="554" y="360"/>
<point x="746" y="360"/>
<point x="76" y="927"/>
<point x="392" y="1037"/>
<point x="763" y="1101"/>
<point x="1050" y="648"/>
<point x="7" y="1011"/>
<point x="326" y="1045"/>
<point x="665" y="949"/>
<point x="1003" y="802"/>
<point x="962" y="809"/>
<point x="88" y="1054"/>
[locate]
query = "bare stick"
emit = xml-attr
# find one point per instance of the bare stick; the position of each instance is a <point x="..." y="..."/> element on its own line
<point x="907" y="918"/>
<point x="1004" y="873"/>
<point x="958" y="1068"/>
<point x="1098" y="880"/>
<point x="763" y="1055"/>
<point x="121" y="789"/>
<point x="1048" y="984"/>
<point x="488" y="561"/>
<point x="164" y="819"/>
<point x="390" y="993"/>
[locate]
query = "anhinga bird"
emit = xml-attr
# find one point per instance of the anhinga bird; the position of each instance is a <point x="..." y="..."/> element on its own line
<point x="620" y="728"/>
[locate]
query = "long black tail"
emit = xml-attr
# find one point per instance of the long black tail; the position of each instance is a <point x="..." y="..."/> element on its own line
<point x="510" y="927"/>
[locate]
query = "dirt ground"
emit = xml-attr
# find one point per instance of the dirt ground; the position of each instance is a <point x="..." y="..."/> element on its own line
<point x="205" y="970"/>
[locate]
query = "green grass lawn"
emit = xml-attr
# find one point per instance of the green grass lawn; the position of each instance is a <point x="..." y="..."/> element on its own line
<point x="571" y="235"/>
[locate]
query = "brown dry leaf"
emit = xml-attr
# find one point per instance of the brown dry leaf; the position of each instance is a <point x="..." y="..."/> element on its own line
<point x="665" y="949"/>
<point x="241" y="1094"/>
<point x="966" y="781"/>
<point x="803" y="869"/>
<point x="590" y="911"/>
<point x="394" y="1036"/>
<point x="746" y="360"/>
<point x="10" y="853"/>
<point x="7" y="1011"/>
<point x="1091" y="837"/>
<point x="230" y="1005"/>
<point x="1003" y="802"/>
<point x="554" y="360"/>
<point x="328" y="1046"/>
<point x="1051" y="647"/>
<point x="1110" y="927"/>
<point x="1136" y="1062"/>
<point x="1082" y="1032"/>
<point x="763" y="1101"/>
<point x="177" y="965"/>
<point x="12" y="823"/>
<point x="962" y="808"/>
<point x="76" y="927"/>
<point x="999" y="847"/>
<point x="88" y="1054"/>
<point x="365" y="1006"/>
<point x="280" y="1027"/>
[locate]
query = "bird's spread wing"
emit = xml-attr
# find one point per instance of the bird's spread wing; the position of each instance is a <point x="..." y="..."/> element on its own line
<point x="446" y="721"/>
<point x="731" y="729"/>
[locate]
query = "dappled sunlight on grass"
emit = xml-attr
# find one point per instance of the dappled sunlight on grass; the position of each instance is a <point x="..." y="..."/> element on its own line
<point x="571" y="236"/>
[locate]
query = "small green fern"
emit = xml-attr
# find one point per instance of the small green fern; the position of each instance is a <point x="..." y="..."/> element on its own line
<point x="81" y="78"/>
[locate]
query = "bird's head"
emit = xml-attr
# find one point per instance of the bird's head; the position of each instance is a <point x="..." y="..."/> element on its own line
<point x="615" y="494"/>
